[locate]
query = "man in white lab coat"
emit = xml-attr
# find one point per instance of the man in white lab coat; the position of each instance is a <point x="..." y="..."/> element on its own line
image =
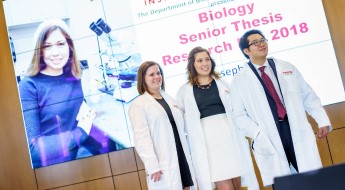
<point x="273" y="114"/>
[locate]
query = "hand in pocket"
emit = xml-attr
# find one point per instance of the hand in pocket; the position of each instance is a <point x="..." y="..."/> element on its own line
<point x="262" y="145"/>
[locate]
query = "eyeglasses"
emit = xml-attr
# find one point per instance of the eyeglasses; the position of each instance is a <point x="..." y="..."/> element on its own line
<point x="59" y="45"/>
<point x="258" y="42"/>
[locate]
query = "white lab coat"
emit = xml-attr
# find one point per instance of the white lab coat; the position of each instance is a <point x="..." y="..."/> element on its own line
<point x="252" y="113"/>
<point x="186" y="100"/>
<point x="154" y="140"/>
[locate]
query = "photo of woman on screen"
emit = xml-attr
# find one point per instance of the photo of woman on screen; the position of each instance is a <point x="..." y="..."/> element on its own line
<point x="57" y="119"/>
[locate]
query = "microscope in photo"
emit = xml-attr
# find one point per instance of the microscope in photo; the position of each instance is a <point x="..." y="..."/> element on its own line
<point x="118" y="60"/>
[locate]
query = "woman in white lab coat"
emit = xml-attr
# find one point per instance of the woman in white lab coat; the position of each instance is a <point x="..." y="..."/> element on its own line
<point x="220" y="153"/>
<point x="158" y="129"/>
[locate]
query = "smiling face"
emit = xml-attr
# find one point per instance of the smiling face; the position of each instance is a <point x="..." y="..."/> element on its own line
<point x="257" y="53"/>
<point x="202" y="64"/>
<point x="153" y="79"/>
<point x="55" y="53"/>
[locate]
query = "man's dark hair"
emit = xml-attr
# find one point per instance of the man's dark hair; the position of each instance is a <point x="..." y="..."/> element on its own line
<point x="244" y="42"/>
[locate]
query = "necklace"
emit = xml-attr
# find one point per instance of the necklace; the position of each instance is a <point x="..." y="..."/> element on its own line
<point x="204" y="87"/>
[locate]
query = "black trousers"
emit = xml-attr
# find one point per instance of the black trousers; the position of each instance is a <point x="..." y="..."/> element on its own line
<point x="285" y="136"/>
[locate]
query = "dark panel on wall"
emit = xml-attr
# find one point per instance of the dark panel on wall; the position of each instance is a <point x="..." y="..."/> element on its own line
<point x="73" y="172"/>
<point x="122" y="161"/>
<point x="104" y="184"/>
<point x="336" y="141"/>
<point x="128" y="181"/>
<point x="15" y="172"/>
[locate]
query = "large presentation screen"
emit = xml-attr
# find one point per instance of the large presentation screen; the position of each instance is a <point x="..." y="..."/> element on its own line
<point x="112" y="38"/>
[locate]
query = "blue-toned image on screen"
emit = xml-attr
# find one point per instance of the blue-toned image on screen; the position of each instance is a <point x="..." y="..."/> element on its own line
<point x="80" y="112"/>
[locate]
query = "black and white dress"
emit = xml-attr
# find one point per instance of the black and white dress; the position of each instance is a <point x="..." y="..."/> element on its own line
<point x="223" y="158"/>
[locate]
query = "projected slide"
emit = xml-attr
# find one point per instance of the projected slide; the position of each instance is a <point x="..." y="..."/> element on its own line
<point x="112" y="38"/>
<point x="295" y="34"/>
